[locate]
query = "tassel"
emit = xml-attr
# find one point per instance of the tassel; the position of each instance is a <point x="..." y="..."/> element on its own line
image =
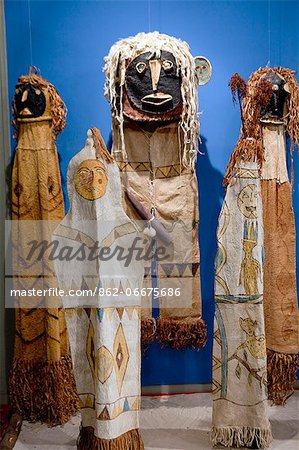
<point x="181" y="333"/>
<point x="148" y="331"/>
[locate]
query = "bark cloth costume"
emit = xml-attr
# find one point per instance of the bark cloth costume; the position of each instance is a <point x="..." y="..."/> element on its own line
<point x="104" y="330"/>
<point x="255" y="353"/>
<point x="152" y="88"/>
<point x="41" y="383"/>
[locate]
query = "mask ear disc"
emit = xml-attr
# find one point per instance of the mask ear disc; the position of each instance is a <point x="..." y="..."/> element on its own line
<point x="203" y="70"/>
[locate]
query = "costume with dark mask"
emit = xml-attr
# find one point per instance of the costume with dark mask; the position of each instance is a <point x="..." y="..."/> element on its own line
<point x="275" y="110"/>
<point x="152" y="88"/>
<point x="41" y="383"/>
<point x="269" y="109"/>
<point x="279" y="119"/>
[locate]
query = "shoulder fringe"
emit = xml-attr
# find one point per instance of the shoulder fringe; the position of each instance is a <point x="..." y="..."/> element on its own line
<point x="241" y="436"/>
<point x="127" y="441"/>
<point x="246" y="150"/>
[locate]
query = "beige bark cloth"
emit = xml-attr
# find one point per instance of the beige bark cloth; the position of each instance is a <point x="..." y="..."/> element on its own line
<point x="104" y="329"/>
<point x="240" y="409"/>
<point x="41" y="383"/>
<point x="154" y="172"/>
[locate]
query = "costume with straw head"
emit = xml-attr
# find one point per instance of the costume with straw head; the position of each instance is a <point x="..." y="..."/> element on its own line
<point x="152" y="88"/>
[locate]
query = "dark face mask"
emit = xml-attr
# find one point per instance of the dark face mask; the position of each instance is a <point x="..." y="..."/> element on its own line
<point x="153" y="85"/>
<point x="30" y="101"/>
<point x="275" y="107"/>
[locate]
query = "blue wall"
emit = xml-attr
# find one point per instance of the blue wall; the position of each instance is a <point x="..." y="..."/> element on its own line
<point x="69" y="42"/>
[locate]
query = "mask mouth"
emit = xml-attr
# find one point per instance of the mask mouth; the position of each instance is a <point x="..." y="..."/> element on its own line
<point x="92" y="189"/>
<point x="157" y="99"/>
<point x="251" y="209"/>
<point x="25" y="112"/>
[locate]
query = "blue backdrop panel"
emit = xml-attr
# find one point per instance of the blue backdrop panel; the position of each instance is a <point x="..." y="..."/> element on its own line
<point x="69" y="42"/>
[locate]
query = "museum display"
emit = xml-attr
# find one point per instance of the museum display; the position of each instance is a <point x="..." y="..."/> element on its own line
<point x="152" y="87"/>
<point x="41" y="382"/>
<point x="104" y="329"/>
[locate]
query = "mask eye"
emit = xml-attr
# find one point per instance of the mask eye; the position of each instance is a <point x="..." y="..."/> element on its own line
<point x="84" y="172"/>
<point x="167" y="65"/>
<point x="140" y="67"/>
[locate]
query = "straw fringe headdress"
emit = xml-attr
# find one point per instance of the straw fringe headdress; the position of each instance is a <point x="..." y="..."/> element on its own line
<point x="250" y="146"/>
<point x="125" y="51"/>
<point x="58" y="107"/>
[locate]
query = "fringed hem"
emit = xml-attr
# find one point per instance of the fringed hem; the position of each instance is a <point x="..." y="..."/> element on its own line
<point x="182" y="333"/>
<point x="127" y="441"/>
<point x="241" y="437"/>
<point x="282" y="374"/>
<point x="148" y="331"/>
<point x="43" y="391"/>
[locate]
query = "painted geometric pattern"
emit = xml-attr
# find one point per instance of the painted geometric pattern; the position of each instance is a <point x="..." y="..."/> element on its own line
<point x="179" y="270"/>
<point x="121" y="356"/>
<point x="114" y="410"/>
<point x="110" y="411"/>
<point x="244" y="172"/>
<point x="90" y="350"/>
<point x="104" y="364"/>
<point x="107" y="313"/>
<point x="102" y="361"/>
<point x="87" y="401"/>
<point x="159" y="172"/>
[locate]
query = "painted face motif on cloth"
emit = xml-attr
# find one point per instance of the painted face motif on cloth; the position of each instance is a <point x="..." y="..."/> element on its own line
<point x="275" y="107"/>
<point x="91" y="179"/>
<point x="247" y="201"/>
<point x="30" y="101"/>
<point x="152" y="83"/>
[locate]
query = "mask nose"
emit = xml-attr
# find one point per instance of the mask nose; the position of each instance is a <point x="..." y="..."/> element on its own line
<point x="155" y="68"/>
<point x="25" y="96"/>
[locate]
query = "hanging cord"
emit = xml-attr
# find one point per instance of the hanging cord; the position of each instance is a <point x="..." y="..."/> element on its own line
<point x="269" y="33"/>
<point x="30" y="32"/>
<point x="149" y="15"/>
<point x="180" y="155"/>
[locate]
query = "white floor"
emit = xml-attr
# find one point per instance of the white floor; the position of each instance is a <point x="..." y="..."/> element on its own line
<point x="178" y="422"/>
